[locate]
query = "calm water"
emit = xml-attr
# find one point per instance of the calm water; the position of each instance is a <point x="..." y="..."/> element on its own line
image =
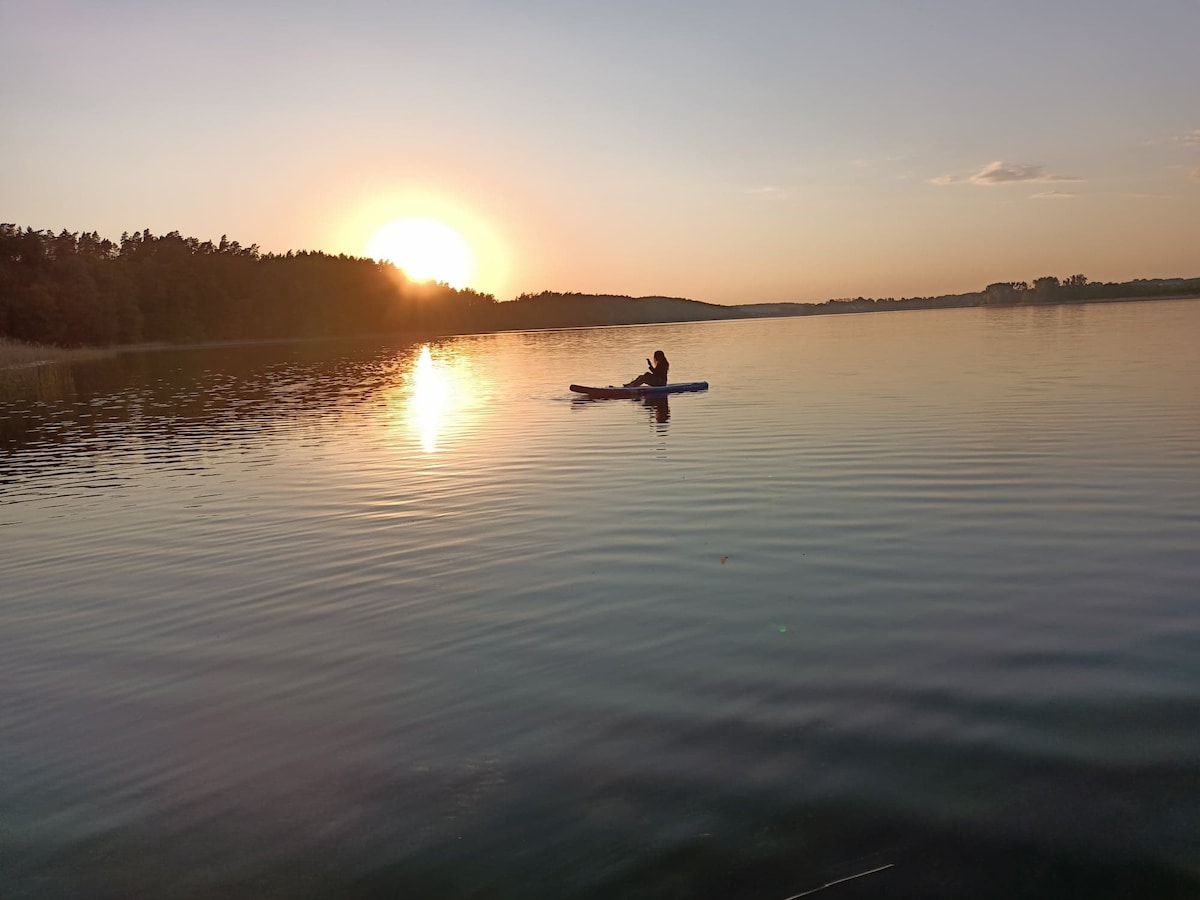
<point x="918" y="589"/>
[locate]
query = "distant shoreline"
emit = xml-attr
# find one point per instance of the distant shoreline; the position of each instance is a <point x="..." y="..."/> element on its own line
<point x="17" y="355"/>
<point x="149" y="291"/>
<point x="805" y="310"/>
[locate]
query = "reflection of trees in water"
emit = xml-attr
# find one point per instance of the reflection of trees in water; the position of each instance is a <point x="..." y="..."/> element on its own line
<point x="44" y="382"/>
<point x="27" y="387"/>
<point x="241" y="391"/>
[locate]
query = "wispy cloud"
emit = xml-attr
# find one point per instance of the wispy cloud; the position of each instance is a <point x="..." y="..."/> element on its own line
<point x="878" y="162"/>
<point x="1053" y="195"/>
<point x="1185" y="138"/>
<point x="1004" y="173"/>
<point x="768" y="190"/>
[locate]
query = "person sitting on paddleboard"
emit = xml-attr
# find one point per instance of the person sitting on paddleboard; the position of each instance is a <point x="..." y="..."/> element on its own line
<point x="657" y="376"/>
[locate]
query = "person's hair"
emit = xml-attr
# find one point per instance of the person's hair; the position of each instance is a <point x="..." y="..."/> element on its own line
<point x="658" y="354"/>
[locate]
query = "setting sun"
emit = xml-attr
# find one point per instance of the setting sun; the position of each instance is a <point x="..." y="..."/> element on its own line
<point x="426" y="249"/>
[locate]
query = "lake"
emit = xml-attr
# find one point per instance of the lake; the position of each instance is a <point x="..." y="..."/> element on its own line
<point x="914" y="590"/>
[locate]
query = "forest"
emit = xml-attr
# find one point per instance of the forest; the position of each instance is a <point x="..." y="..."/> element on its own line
<point x="81" y="289"/>
<point x="74" y="290"/>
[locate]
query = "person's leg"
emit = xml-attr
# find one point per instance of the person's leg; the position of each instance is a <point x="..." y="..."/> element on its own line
<point x="637" y="382"/>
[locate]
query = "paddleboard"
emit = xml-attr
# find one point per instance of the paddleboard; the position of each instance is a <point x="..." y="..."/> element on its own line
<point x="646" y="390"/>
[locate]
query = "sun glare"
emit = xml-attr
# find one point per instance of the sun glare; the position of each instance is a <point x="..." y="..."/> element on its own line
<point x="431" y="394"/>
<point x="426" y="249"/>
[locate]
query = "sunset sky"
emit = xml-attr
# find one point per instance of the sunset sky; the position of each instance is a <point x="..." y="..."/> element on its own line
<point x="726" y="152"/>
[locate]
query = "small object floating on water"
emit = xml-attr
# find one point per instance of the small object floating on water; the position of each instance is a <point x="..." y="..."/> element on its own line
<point x="782" y="629"/>
<point x="617" y="392"/>
<point x="839" y="881"/>
<point x="723" y="558"/>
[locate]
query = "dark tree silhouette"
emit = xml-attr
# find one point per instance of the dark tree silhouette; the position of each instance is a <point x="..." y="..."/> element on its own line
<point x="72" y="289"/>
<point x="75" y="289"/>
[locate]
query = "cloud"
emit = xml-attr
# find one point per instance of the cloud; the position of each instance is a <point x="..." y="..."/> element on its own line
<point x="768" y="190"/>
<point x="1188" y="138"/>
<point x="876" y="162"/>
<point x="1004" y="173"/>
<point x="1001" y="173"/>
<point x="1053" y="195"/>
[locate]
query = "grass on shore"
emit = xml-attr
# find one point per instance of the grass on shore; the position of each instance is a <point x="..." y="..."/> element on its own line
<point x="17" y="354"/>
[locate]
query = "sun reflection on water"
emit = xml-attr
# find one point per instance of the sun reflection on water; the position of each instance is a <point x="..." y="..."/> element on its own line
<point x="440" y="396"/>
<point x="431" y="394"/>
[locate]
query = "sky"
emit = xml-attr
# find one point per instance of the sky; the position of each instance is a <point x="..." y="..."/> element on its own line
<point x="732" y="153"/>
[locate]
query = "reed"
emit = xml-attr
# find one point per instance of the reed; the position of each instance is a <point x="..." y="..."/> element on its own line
<point x="40" y="371"/>
<point x="18" y="354"/>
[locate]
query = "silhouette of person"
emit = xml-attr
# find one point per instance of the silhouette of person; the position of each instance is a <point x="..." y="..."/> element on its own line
<point x="656" y="376"/>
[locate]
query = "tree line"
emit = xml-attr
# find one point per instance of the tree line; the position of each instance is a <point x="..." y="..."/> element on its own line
<point x="1047" y="290"/>
<point x="81" y="289"/>
<point x="77" y="289"/>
